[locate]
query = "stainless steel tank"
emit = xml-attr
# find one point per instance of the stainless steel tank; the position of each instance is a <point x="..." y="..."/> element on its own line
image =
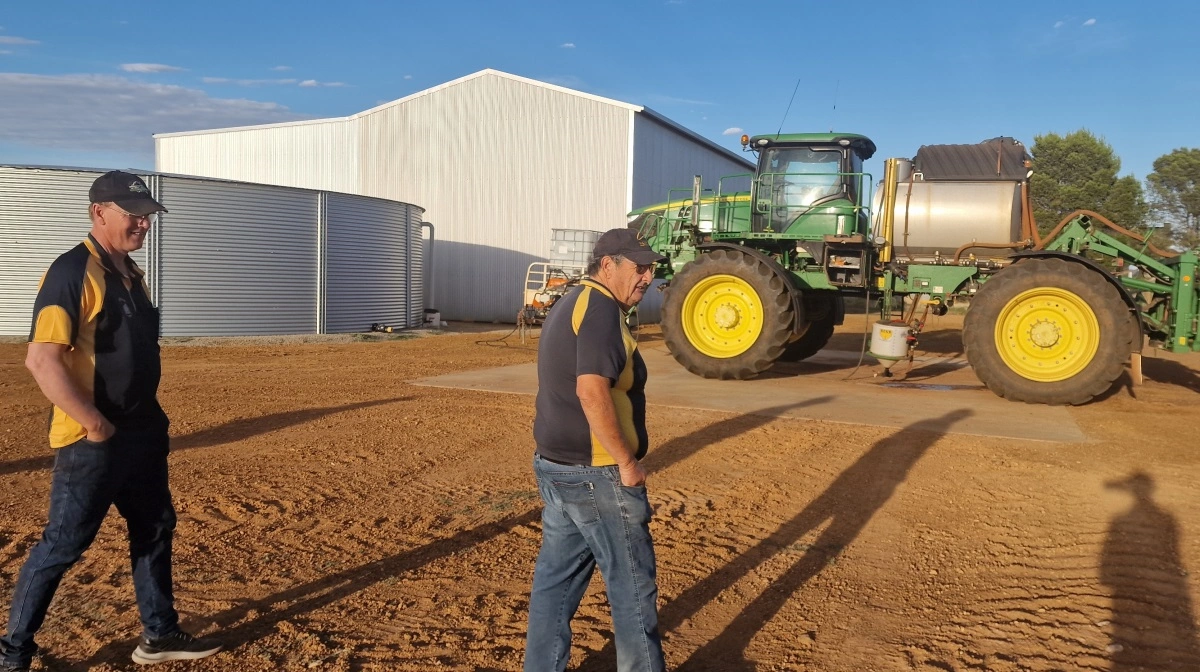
<point x="939" y="217"/>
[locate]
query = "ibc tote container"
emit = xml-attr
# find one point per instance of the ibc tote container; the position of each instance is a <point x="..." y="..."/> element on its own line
<point x="572" y="246"/>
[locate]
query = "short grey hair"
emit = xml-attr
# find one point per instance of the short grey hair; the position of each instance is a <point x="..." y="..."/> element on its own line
<point x="593" y="266"/>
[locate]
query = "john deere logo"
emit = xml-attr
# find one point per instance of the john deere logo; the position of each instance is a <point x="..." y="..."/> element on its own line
<point x="885" y="334"/>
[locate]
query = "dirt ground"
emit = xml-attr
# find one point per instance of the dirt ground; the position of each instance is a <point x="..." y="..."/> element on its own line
<point x="333" y="516"/>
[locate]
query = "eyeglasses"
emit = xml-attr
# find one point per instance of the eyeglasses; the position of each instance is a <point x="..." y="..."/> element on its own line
<point x="643" y="269"/>
<point x="150" y="218"/>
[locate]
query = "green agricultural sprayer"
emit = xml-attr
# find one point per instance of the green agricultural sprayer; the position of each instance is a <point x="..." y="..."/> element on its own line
<point x="761" y="275"/>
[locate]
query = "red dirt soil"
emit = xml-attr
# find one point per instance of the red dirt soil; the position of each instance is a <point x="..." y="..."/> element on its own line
<point x="334" y="517"/>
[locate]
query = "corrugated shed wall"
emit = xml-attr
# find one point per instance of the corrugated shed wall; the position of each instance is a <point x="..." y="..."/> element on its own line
<point x="497" y="163"/>
<point x="43" y="213"/>
<point x="664" y="159"/>
<point x="229" y="258"/>
<point x="317" y="155"/>
<point x="367" y="257"/>
<point x="237" y="259"/>
<point x="418" y="269"/>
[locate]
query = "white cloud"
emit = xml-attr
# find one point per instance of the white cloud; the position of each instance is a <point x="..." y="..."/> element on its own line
<point x="567" y="45"/>
<point x="732" y="130"/>
<point x="408" y="76"/>
<point x="104" y="113"/>
<point x="282" y="68"/>
<point x="1058" y="24"/>
<point x="149" y="67"/>
<point x="312" y="82"/>
<point x="246" y="82"/>
<point x="13" y="39"/>
<point x="1089" y="22"/>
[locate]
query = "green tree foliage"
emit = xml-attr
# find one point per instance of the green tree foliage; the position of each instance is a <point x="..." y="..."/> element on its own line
<point x="1174" y="188"/>
<point x="1078" y="171"/>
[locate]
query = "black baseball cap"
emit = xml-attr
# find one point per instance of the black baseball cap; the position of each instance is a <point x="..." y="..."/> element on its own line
<point x="627" y="243"/>
<point x="127" y="190"/>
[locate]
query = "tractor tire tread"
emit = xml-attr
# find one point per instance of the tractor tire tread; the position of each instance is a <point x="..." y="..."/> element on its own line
<point x="1115" y="344"/>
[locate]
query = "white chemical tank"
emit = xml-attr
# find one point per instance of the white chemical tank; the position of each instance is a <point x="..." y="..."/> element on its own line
<point x="944" y="215"/>
<point x="889" y="342"/>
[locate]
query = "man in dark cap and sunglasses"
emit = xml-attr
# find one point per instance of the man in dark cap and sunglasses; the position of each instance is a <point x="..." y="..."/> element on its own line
<point x="93" y="350"/>
<point x="590" y="431"/>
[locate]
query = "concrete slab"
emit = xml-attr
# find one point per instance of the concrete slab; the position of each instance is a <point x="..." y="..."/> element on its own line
<point x="816" y="389"/>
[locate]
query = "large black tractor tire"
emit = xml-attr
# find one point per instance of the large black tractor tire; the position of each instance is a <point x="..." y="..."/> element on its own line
<point x="822" y="313"/>
<point x="1048" y="331"/>
<point x="727" y="315"/>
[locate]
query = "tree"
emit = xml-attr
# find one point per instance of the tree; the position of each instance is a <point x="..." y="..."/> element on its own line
<point x="1079" y="171"/>
<point x="1175" y="195"/>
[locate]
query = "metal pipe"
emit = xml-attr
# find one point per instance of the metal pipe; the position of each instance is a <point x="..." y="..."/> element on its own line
<point x="429" y="270"/>
<point x="907" y="205"/>
<point x="696" y="205"/>
<point x="990" y="246"/>
<point x="1105" y="221"/>
<point x="890" y="169"/>
<point x="1027" y="219"/>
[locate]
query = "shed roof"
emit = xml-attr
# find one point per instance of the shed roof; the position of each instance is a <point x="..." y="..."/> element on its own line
<point x="488" y="72"/>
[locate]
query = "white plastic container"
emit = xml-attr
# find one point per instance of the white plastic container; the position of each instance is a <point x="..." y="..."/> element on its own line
<point x="889" y="342"/>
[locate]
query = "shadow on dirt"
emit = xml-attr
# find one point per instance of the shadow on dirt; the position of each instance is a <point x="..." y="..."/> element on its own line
<point x="1152" y="624"/>
<point x="229" y="432"/>
<point x="257" y="618"/>
<point x="1171" y="373"/>
<point x="847" y="505"/>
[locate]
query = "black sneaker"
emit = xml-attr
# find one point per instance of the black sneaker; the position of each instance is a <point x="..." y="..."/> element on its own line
<point x="175" y="646"/>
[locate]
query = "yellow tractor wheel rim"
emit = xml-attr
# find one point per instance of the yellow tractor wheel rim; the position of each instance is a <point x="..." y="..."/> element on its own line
<point x="722" y="316"/>
<point x="1047" y="334"/>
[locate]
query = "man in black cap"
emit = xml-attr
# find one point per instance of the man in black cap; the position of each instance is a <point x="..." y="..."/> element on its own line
<point x="93" y="350"/>
<point x="590" y="431"/>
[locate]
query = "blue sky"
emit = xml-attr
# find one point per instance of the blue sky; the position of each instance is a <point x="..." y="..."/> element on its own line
<point x="86" y="84"/>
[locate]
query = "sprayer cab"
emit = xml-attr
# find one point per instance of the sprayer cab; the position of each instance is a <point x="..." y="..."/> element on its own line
<point x="810" y="185"/>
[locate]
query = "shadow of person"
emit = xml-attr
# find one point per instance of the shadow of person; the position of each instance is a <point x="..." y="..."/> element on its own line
<point x="229" y="432"/>
<point x="252" y="619"/>
<point x="847" y="505"/>
<point x="1152" y="623"/>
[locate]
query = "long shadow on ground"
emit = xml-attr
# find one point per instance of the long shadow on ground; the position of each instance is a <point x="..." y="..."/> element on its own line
<point x="848" y="504"/>
<point x="234" y="630"/>
<point x="236" y="430"/>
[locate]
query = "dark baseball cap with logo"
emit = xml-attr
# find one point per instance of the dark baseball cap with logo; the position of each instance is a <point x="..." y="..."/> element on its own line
<point x="127" y="191"/>
<point x="627" y="243"/>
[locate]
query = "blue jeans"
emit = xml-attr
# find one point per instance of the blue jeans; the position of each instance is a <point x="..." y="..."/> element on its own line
<point x="129" y="470"/>
<point x="589" y="519"/>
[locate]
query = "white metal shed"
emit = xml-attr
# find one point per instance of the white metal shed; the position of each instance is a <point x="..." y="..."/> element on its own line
<point x="497" y="161"/>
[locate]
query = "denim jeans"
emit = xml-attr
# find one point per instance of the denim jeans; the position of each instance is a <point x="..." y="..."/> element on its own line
<point x="129" y="470"/>
<point x="590" y="520"/>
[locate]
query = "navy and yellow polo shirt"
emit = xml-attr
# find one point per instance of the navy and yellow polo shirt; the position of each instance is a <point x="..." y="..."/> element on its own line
<point x="112" y="330"/>
<point x="585" y="333"/>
